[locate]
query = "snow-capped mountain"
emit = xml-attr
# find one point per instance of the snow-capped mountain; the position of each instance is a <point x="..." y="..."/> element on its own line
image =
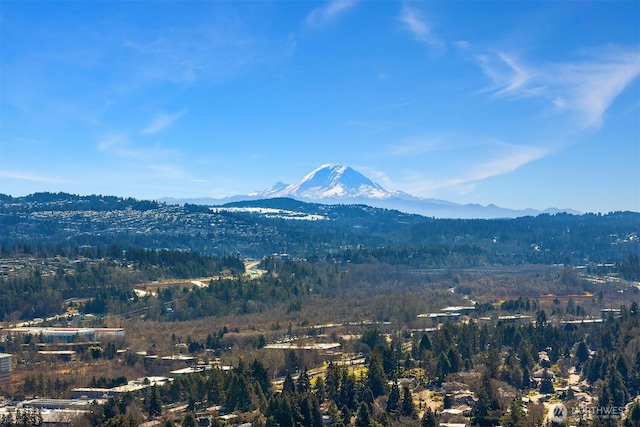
<point x="337" y="184"/>
<point x="329" y="181"/>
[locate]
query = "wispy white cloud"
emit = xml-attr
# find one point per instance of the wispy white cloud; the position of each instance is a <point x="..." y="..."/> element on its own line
<point x="200" y="181"/>
<point x="120" y="144"/>
<point x="591" y="87"/>
<point x="415" y="22"/>
<point x="375" y="175"/>
<point x="168" y="170"/>
<point x="160" y="163"/>
<point x="328" y="13"/>
<point x="29" y="176"/>
<point x="587" y="87"/>
<point x="494" y="158"/>
<point x="512" y="158"/>
<point x="221" y="48"/>
<point x="419" y="145"/>
<point x="508" y="75"/>
<point x="161" y="122"/>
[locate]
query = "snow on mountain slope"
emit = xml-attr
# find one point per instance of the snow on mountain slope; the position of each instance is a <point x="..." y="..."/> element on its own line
<point x="337" y="184"/>
<point x="329" y="181"/>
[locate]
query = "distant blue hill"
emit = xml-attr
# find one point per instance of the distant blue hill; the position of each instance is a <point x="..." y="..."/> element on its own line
<point x="337" y="184"/>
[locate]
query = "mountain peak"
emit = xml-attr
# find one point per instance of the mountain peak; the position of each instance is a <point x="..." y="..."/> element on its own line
<point x="333" y="183"/>
<point x="329" y="181"/>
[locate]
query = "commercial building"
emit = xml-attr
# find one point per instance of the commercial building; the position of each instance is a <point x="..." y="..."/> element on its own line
<point x="5" y="367"/>
<point x="141" y="384"/>
<point x="50" y="335"/>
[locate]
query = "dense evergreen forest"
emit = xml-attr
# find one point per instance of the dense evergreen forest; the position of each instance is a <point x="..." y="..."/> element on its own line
<point x="105" y="280"/>
<point x="494" y="359"/>
<point x="182" y="277"/>
<point x="46" y="219"/>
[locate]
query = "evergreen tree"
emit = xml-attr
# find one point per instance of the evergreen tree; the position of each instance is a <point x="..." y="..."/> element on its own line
<point x="546" y="385"/>
<point x="280" y="411"/>
<point x="425" y="343"/>
<point x="487" y="399"/>
<point x="333" y="413"/>
<point x="261" y="376"/>
<point x="362" y="416"/>
<point x="110" y="351"/>
<point x="190" y="420"/>
<point x="382" y="420"/>
<point x="239" y="393"/>
<point x="391" y="356"/>
<point x="332" y="382"/>
<point x="429" y="419"/>
<point x="515" y="416"/>
<point x="394" y="398"/>
<point x="447" y="402"/>
<point x="526" y="378"/>
<point x="319" y="389"/>
<point x="303" y="415"/>
<point x="288" y="386"/>
<point x="582" y="352"/>
<point x="316" y="413"/>
<point x="348" y="390"/>
<point x="119" y="420"/>
<point x="153" y="402"/>
<point x="346" y="415"/>
<point x="621" y="366"/>
<point x="408" y="407"/>
<point x="366" y="396"/>
<point x="615" y="392"/>
<point x="633" y="417"/>
<point x="443" y="367"/>
<point x="541" y="319"/>
<point x="604" y="422"/>
<point x="304" y="384"/>
<point x="376" y="379"/>
<point x="634" y="381"/>
<point x="454" y="359"/>
<point x="492" y="362"/>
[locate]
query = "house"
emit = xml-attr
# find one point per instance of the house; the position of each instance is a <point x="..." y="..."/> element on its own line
<point x="542" y="373"/>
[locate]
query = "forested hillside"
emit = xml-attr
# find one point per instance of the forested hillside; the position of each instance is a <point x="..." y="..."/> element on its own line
<point x="241" y="229"/>
<point x="533" y="308"/>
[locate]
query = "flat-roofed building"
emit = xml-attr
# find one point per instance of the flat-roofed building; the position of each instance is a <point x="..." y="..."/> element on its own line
<point x="440" y="317"/>
<point x="44" y="403"/>
<point x="109" y="333"/>
<point x="515" y="318"/>
<point x="60" y="355"/>
<point x="92" y="393"/>
<point x="140" y="384"/>
<point x="459" y="309"/>
<point x="606" y="312"/>
<point x="56" y="334"/>
<point x="6" y="362"/>
<point x="50" y="334"/>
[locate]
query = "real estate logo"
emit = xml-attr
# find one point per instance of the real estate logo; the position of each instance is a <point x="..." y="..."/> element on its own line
<point x="558" y="413"/>
<point x="583" y="411"/>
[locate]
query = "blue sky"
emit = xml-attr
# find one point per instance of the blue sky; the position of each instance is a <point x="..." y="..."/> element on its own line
<point x="521" y="104"/>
